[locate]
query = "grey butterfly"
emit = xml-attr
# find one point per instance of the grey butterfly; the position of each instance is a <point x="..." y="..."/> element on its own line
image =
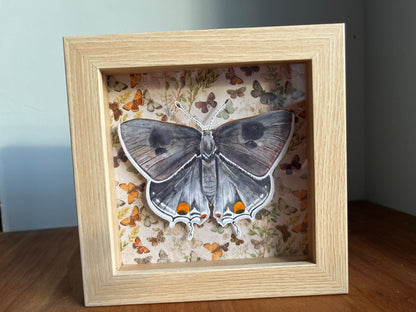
<point x="191" y="172"/>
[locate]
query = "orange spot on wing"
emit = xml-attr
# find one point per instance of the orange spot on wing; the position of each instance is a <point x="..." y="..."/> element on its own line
<point x="183" y="208"/>
<point x="239" y="207"/>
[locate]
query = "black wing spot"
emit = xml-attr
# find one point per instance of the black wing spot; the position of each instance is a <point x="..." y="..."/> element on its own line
<point x="252" y="130"/>
<point x="250" y="144"/>
<point x="159" y="138"/>
<point x="160" y="150"/>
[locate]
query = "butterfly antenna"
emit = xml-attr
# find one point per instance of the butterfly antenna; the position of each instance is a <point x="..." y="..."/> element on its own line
<point x="217" y="112"/>
<point x="200" y="125"/>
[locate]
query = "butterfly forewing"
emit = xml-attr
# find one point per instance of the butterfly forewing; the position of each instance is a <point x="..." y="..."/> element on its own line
<point x="158" y="149"/>
<point x="257" y="143"/>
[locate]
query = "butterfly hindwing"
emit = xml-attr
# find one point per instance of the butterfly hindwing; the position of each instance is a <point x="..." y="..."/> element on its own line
<point x="257" y="143"/>
<point x="158" y="149"/>
<point x="239" y="195"/>
<point x="180" y="199"/>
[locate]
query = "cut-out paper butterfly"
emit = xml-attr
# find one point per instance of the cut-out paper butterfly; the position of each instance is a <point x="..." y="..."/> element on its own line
<point x="190" y="171"/>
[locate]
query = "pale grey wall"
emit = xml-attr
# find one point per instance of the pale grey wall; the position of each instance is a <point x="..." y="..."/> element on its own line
<point x="36" y="181"/>
<point x="390" y="67"/>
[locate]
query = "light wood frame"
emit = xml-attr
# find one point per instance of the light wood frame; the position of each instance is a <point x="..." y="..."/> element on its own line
<point x="106" y="282"/>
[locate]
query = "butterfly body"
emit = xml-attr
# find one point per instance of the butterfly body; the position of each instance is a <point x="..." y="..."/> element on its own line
<point x="227" y="169"/>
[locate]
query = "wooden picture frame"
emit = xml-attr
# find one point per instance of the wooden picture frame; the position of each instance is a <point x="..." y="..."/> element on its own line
<point x="106" y="281"/>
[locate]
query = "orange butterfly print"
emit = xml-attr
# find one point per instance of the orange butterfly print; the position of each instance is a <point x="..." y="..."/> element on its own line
<point x="230" y="75"/>
<point x="116" y="111"/>
<point x="215" y="249"/>
<point x="301" y="227"/>
<point x="131" y="221"/>
<point x="134" y="105"/>
<point x="134" y="79"/>
<point x="303" y="196"/>
<point x="140" y="248"/>
<point x="131" y="190"/>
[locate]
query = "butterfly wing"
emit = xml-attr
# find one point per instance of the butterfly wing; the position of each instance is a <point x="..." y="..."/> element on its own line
<point x="158" y="149"/>
<point x="180" y="199"/>
<point x="239" y="195"/>
<point x="255" y="144"/>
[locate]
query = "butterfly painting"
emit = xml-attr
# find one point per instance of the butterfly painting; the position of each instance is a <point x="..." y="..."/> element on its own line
<point x="266" y="98"/>
<point x="216" y="249"/>
<point x="140" y="248"/>
<point x="132" y="191"/>
<point x="137" y="101"/>
<point x="194" y="173"/>
<point x="203" y="105"/>
<point x="230" y="75"/>
<point x="236" y="93"/>
<point x="131" y="221"/>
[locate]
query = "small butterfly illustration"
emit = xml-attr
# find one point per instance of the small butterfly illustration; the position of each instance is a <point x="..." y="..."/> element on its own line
<point x="235" y="240"/>
<point x="163" y="257"/>
<point x="249" y="70"/>
<point x="230" y="75"/>
<point x="158" y="239"/>
<point x="131" y="221"/>
<point x="285" y="208"/>
<point x="203" y="106"/>
<point x="303" y="196"/>
<point x="140" y="248"/>
<point x="117" y="112"/>
<point x="120" y="202"/>
<point x="237" y="92"/>
<point x="294" y="93"/>
<point x="266" y="98"/>
<point x="131" y="190"/>
<point x="262" y="213"/>
<point x="301" y="227"/>
<point x="258" y="244"/>
<point x="294" y="164"/>
<point x="150" y="103"/>
<point x="193" y="257"/>
<point x="149" y="221"/>
<point x="145" y="260"/>
<point x="137" y="101"/>
<point x="134" y="79"/>
<point x="285" y="231"/>
<point x="216" y="249"/>
<point x="120" y="156"/>
<point x="116" y="85"/>
<point x="227" y="111"/>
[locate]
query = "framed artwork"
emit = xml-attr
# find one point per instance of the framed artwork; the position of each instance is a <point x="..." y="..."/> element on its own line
<point x="201" y="165"/>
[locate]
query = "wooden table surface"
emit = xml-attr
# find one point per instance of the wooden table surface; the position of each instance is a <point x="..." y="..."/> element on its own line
<point x="41" y="271"/>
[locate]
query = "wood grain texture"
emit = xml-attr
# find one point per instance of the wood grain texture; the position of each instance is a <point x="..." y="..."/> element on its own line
<point x="88" y="57"/>
<point x="41" y="271"/>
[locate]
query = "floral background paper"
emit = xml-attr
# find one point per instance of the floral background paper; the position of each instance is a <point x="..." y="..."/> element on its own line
<point x="280" y="228"/>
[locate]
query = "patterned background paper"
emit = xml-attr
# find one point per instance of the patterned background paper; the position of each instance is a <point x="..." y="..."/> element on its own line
<point x="280" y="228"/>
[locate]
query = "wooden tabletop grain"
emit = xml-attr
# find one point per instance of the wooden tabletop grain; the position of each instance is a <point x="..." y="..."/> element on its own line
<point x="41" y="271"/>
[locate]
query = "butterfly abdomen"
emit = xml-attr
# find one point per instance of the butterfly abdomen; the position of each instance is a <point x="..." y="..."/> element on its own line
<point x="208" y="170"/>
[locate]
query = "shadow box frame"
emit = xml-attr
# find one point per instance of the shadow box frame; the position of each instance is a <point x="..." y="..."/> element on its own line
<point x="106" y="281"/>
